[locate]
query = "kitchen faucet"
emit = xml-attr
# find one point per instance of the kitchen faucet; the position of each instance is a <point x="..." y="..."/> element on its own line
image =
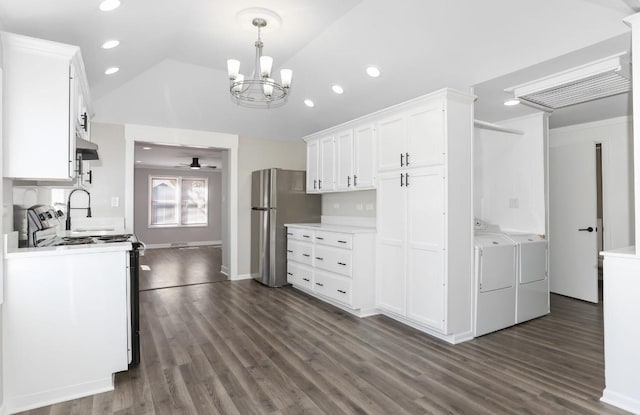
<point x="68" y="221"/>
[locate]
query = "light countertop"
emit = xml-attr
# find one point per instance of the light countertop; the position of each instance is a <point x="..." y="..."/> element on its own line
<point x="12" y="250"/>
<point x="332" y="227"/>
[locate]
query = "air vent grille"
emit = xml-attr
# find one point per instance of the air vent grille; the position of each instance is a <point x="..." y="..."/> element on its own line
<point x="596" y="87"/>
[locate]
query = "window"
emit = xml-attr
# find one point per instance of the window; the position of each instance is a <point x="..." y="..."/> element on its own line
<point x="177" y="201"/>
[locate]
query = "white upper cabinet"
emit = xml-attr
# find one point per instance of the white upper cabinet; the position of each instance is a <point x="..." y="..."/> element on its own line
<point x="364" y="157"/>
<point x="344" y="165"/>
<point x="326" y="181"/>
<point x="313" y="166"/>
<point x="425" y="136"/>
<point x="42" y="80"/>
<point x="391" y="142"/>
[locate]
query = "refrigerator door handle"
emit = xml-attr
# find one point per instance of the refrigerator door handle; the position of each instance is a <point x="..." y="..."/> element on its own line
<point x="260" y="208"/>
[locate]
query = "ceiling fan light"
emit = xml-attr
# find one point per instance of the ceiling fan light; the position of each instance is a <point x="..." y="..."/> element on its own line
<point x="285" y="77"/>
<point x="233" y="66"/>
<point x="266" y="62"/>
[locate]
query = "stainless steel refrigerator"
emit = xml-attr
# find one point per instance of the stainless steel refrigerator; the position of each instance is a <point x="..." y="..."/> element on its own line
<point x="277" y="197"/>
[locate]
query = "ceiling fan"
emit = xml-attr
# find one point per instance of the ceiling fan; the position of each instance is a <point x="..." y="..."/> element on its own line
<point x="196" y="165"/>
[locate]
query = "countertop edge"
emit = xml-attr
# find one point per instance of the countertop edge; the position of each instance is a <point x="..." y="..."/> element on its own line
<point x="332" y="228"/>
<point x="67" y="250"/>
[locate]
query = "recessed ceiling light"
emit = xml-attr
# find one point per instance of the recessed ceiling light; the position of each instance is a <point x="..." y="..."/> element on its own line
<point x="373" y="72"/>
<point x="138" y="161"/>
<point x="337" y="89"/>
<point x="110" y="44"/>
<point x="111" y="71"/>
<point x="146" y="148"/>
<point x="309" y="103"/>
<point x="108" y="5"/>
<point x="512" y="102"/>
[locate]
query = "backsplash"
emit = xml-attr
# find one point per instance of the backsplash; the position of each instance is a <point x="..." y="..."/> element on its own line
<point x="361" y="203"/>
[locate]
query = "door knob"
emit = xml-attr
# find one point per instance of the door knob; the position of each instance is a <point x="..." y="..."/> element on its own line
<point x="589" y="229"/>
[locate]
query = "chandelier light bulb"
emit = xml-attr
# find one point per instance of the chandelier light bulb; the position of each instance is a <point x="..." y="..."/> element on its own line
<point x="233" y="66"/>
<point x="266" y="62"/>
<point x="285" y="77"/>
<point x="237" y="84"/>
<point x="268" y="87"/>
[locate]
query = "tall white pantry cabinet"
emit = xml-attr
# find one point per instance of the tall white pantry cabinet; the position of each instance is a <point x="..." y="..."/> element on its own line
<point x="424" y="252"/>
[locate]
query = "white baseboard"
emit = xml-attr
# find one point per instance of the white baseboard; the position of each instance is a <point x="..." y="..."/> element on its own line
<point x="182" y="244"/>
<point x="224" y="270"/>
<point x="50" y="397"/>
<point x="449" y="338"/>
<point x="621" y="401"/>
<point x="241" y="277"/>
<point x="360" y="312"/>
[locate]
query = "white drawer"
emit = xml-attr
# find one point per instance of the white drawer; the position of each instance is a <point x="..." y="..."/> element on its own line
<point x="340" y="240"/>
<point x="300" y="234"/>
<point x="304" y="277"/>
<point x="292" y="248"/>
<point x="333" y="286"/>
<point x="333" y="259"/>
<point x="292" y="273"/>
<point x="304" y="253"/>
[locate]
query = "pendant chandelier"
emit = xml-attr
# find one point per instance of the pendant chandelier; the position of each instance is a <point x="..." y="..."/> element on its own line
<point x="259" y="90"/>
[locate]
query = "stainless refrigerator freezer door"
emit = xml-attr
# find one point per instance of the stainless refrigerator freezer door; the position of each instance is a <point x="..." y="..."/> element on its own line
<point x="261" y="188"/>
<point x="263" y="247"/>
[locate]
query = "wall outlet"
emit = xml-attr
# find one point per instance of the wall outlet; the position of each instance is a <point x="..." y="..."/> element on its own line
<point x="115" y="201"/>
<point x="514" y="203"/>
<point x="369" y="206"/>
<point x="359" y="206"/>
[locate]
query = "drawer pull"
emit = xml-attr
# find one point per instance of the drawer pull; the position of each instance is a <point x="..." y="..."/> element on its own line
<point x="342" y="292"/>
<point x="306" y="236"/>
<point x="320" y="238"/>
<point x="342" y="263"/>
<point x="289" y="233"/>
<point x="320" y="259"/>
<point x="317" y="283"/>
<point x="342" y="242"/>
<point x="288" y="273"/>
<point x="306" y="279"/>
<point x="289" y="250"/>
<point x="307" y="255"/>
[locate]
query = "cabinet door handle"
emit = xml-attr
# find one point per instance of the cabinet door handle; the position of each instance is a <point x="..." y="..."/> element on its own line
<point x="288" y="273"/>
<point x="84" y="122"/>
<point x="348" y="181"/>
<point x="306" y="279"/>
<point x="317" y="283"/>
<point x="307" y="255"/>
<point x="342" y="242"/>
<point x="90" y="181"/>
<point x="320" y="238"/>
<point x="401" y="179"/>
<point x="288" y="250"/>
<point x="406" y="179"/>
<point x="401" y="160"/>
<point x="343" y="292"/>
<point x="355" y="180"/>
<point x="289" y="233"/>
<point x="315" y="182"/>
<point x="320" y="259"/>
<point x="319" y="184"/>
<point x="342" y="263"/>
<point x="406" y="158"/>
<point x="306" y="236"/>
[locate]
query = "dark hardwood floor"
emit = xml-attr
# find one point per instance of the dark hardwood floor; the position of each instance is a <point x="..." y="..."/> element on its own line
<point x="242" y="348"/>
<point x="172" y="267"/>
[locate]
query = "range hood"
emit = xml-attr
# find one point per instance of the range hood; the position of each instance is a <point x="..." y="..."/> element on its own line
<point x="87" y="149"/>
<point x="595" y="80"/>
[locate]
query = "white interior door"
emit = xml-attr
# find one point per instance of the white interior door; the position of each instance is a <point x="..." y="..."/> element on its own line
<point x="573" y="250"/>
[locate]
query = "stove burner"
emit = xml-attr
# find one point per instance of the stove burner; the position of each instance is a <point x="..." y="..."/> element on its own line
<point x="74" y="241"/>
<point x="114" y="238"/>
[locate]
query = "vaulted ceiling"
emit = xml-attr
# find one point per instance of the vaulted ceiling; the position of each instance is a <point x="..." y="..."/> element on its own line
<point x="172" y="55"/>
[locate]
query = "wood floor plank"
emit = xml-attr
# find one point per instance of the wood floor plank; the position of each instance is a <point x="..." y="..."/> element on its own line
<point x="241" y="348"/>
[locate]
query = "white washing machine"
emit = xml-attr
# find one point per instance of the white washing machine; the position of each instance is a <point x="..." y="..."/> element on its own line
<point x="532" y="288"/>
<point x="495" y="282"/>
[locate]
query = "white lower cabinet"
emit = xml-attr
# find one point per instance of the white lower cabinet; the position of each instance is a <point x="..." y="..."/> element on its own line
<point x="335" y="265"/>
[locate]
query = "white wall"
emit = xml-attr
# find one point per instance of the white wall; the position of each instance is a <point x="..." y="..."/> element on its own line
<point x="509" y="175"/>
<point x="257" y="155"/>
<point x="154" y="236"/>
<point x="617" y="169"/>
<point x="361" y="204"/>
<point x="3" y="225"/>
<point x="108" y="172"/>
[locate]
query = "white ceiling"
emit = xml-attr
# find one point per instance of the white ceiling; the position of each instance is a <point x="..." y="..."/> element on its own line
<point x="173" y="54"/>
<point x="175" y="157"/>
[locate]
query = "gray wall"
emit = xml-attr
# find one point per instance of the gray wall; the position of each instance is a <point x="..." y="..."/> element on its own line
<point x="151" y="236"/>
<point x="108" y="172"/>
